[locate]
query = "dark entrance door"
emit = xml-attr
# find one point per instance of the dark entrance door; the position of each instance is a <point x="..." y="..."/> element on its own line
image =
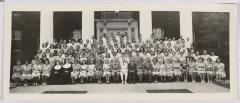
<point x="25" y="35"/>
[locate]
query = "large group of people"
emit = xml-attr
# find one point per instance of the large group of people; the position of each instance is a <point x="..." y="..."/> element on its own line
<point x="116" y="59"/>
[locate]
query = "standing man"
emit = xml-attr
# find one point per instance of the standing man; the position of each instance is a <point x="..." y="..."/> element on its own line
<point x="132" y="68"/>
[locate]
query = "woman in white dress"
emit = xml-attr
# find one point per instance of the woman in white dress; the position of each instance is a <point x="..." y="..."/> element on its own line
<point x="220" y="71"/>
<point x="75" y="73"/>
<point x="209" y="70"/>
<point x="26" y="73"/>
<point x="36" y="72"/>
<point x="106" y="70"/>
<point x="46" y="67"/>
<point x="83" y="71"/>
<point x="17" y="73"/>
<point x="201" y="69"/>
<point x="90" y="71"/>
<point x="192" y="69"/>
<point x="177" y="70"/>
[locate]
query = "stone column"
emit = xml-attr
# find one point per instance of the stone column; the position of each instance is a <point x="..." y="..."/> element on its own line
<point x="46" y="27"/>
<point x="186" y="25"/>
<point x="87" y="25"/>
<point x="145" y="24"/>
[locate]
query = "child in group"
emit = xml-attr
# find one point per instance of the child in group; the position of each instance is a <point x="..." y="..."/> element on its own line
<point x="83" y="71"/>
<point x="75" y="73"/>
<point x="220" y="71"/>
<point x="46" y="67"/>
<point x="201" y="69"/>
<point x="26" y="73"/>
<point x="106" y="70"/>
<point x="192" y="69"/>
<point x="209" y="70"/>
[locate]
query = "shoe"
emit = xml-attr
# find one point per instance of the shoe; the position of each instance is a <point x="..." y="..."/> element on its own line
<point x="25" y="84"/>
<point x="125" y="82"/>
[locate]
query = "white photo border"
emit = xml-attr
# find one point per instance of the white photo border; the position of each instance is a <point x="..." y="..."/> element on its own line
<point x="231" y="8"/>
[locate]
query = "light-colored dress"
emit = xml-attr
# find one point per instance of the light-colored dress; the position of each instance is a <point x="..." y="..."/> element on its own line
<point x="17" y="72"/>
<point x="46" y="70"/>
<point x="26" y="72"/>
<point x="36" y="70"/>
<point x="220" y="70"/>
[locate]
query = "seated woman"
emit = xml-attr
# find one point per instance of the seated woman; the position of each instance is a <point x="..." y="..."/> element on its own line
<point x="17" y="72"/>
<point x="36" y="72"/>
<point x="106" y="70"/>
<point x="46" y="71"/>
<point x="177" y="70"/>
<point x="220" y="71"/>
<point x="90" y="70"/>
<point x="83" y="71"/>
<point x="155" y="69"/>
<point x="26" y="73"/>
<point x="140" y="70"/>
<point x="99" y="71"/>
<point x="66" y="75"/>
<point x="55" y="76"/>
<point x="75" y="73"/>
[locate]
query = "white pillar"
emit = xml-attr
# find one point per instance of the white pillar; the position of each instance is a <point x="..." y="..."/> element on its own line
<point x="186" y="25"/>
<point x="46" y="27"/>
<point x="145" y="24"/>
<point x="87" y="24"/>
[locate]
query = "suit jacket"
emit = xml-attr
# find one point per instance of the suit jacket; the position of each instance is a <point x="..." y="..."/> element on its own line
<point x="132" y="67"/>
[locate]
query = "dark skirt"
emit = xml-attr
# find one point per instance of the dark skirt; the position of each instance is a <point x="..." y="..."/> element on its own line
<point x="59" y="78"/>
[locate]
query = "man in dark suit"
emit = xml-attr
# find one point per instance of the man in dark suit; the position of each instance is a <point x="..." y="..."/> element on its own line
<point x="132" y="68"/>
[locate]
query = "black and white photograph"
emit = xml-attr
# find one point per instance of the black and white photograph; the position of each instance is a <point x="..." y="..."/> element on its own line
<point x="104" y="50"/>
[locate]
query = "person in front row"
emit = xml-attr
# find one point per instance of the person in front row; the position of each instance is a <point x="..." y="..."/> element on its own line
<point x="83" y="72"/>
<point x="67" y="66"/>
<point x="46" y="71"/>
<point x="75" y="73"/>
<point x="106" y="70"/>
<point x="148" y="70"/>
<point x="220" y="71"/>
<point x="132" y="69"/>
<point x="55" y="76"/>
<point x="99" y="71"/>
<point x="26" y="73"/>
<point x="201" y="69"/>
<point x="36" y="72"/>
<point x="124" y="69"/>
<point x="115" y="70"/>
<point x="90" y="71"/>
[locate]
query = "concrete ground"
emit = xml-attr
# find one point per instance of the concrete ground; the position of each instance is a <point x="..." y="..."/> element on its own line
<point x="123" y="88"/>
